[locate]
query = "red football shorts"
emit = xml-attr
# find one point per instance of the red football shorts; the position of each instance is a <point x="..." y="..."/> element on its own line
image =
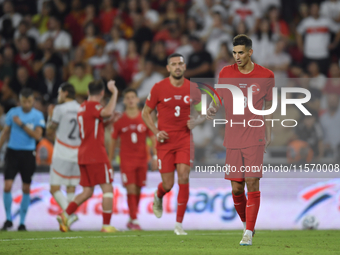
<point x="93" y="174"/>
<point x="167" y="159"/>
<point x="134" y="173"/>
<point x="242" y="163"/>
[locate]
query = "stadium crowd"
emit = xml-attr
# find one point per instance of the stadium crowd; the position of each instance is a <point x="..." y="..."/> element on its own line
<point x="44" y="43"/>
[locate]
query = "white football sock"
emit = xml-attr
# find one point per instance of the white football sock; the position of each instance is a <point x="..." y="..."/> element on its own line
<point x="61" y="199"/>
<point x="178" y="224"/>
<point x="249" y="233"/>
<point x="244" y="225"/>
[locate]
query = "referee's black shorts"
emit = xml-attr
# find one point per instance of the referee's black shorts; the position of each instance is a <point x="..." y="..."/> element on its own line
<point x="19" y="161"/>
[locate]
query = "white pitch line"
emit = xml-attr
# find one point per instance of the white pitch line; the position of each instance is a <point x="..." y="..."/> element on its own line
<point x="111" y="236"/>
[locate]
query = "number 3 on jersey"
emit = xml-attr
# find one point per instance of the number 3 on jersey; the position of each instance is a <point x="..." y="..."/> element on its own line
<point x="178" y="111"/>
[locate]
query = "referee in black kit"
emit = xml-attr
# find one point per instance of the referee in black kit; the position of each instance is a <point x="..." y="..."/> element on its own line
<point x="23" y="126"/>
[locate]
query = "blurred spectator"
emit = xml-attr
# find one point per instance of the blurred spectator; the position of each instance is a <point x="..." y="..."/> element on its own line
<point x="278" y="61"/>
<point x="49" y="85"/>
<point x="171" y="15"/>
<point x="129" y="66"/>
<point x="91" y="41"/>
<point x="90" y="16"/>
<point x="186" y="48"/>
<point x="241" y="28"/>
<point x="62" y="41"/>
<point x="218" y="34"/>
<point x="223" y="59"/>
<point x="151" y="16"/>
<point x="9" y="13"/>
<point x="333" y="83"/>
<point x="25" y="56"/>
<point x="45" y="150"/>
<point x="217" y="148"/>
<point x="123" y="26"/>
<point x="59" y="8"/>
<point x="159" y="57"/>
<point x="318" y="80"/>
<point x="74" y="22"/>
<point x="247" y="11"/>
<point x="7" y="67"/>
<point x="310" y="131"/>
<point x="263" y="42"/>
<point x="278" y="26"/>
<point x="106" y="16"/>
<point x="79" y="59"/>
<point x="265" y="5"/>
<point x="171" y="37"/>
<point x="331" y="9"/>
<point x="202" y="135"/>
<point x="316" y="94"/>
<point x="22" y="31"/>
<point x="194" y="28"/>
<point x="117" y="47"/>
<point x="200" y="61"/>
<point x="23" y="80"/>
<point x="144" y="80"/>
<point x="7" y="31"/>
<point x="330" y="122"/>
<point x="48" y="56"/>
<point x="40" y="20"/>
<point x="317" y="36"/>
<point x="142" y="34"/>
<point x="98" y="61"/>
<point x="109" y="73"/>
<point x="80" y="80"/>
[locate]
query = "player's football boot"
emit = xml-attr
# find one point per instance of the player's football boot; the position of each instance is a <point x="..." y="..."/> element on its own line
<point x="108" y="229"/>
<point x="247" y="240"/>
<point x="157" y="206"/>
<point x="133" y="226"/>
<point x="179" y="231"/>
<point x="63" y="219"/>
<point x="8" y="224"/>
<point x="22" y="227"/>
<point x="72" y="219"/>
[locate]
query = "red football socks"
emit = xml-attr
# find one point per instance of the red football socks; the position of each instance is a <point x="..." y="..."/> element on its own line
<point x="132" y="203"/>
<point x="72" y="207"/>
<point x="107" y="218"/>
<point x="160" y="191"/>
<point x="240" y="203"/>
<point x="182" y="200"/>
<point x="252" y="209"/>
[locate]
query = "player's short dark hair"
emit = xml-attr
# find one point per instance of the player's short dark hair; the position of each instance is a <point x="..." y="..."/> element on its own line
<point x="96" y="87"/>
<point x="71" y="92"/>
<point x="243" y="40"/>
<point x="26" y="92"/>
<point x="128" y="90"/>
<point x="174" y="55"/>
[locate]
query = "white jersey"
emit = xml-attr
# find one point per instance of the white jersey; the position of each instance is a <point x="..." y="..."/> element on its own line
<point x="67" y="138"/>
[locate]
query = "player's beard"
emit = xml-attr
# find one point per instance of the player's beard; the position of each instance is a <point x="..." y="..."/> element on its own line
<point x="177" y="77"/>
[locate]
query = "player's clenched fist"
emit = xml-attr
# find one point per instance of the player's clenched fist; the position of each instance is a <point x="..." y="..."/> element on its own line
<point x="111" y="86"/>
<point x="211" y="111"/>
<point x="161" y="135"/>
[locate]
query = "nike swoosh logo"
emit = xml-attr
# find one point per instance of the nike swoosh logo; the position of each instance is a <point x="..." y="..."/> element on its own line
<point x="167" y="99"/>
<point x="181" y="204"/>
<point x="249" y="205"/>
<point x="237" y="204"/>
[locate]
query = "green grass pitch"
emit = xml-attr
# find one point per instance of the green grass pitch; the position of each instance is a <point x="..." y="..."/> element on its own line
<point x="166" y="242"/>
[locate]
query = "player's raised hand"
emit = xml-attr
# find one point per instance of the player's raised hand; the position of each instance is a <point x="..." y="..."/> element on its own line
<point x="211" y="111"/>
<point x="111" y="85"/>
<point x="161" y="136"/>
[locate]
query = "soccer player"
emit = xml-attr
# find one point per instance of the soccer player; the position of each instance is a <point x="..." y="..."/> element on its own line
<point x="133" y="133"/>
<point x="94" y="164"/>
<point x="64" y="169"/>
<point x="172" y="98"/>
<point x="245" y="144"/>
<point x="24" y="126"/>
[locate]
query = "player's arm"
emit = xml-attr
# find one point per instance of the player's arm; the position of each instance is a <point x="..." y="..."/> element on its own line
<point x="36" y="133"/>
<point x="213" y="108"/>
<point x="154" y="153"/>
<point x="4" y="135"/>
<point x="146" y="115"/>
<point x="268" y="124"/>
<point x="107" y="111"/>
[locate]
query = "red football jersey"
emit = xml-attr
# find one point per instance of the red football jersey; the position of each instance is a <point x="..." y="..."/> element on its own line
<point x="91" y="126"/>
<point x="262" y="82"/>
<point x="133" y="134"/>
<point x="173" y="104"/>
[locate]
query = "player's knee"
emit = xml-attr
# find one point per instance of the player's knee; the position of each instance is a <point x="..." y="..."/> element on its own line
<point x="238" y="191"/>
<point x="183" y="179"/>
<point x="168" y="186"/>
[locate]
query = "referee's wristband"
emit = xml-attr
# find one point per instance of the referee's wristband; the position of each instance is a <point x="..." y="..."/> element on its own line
<point x="23" y="125"/>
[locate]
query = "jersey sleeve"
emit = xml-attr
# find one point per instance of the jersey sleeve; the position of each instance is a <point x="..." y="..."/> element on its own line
<point x="9" y="118"/>
<point x="153" y="97"/>
<point x="40" y="120"/>
<point x="271" y="85"/>
<point x="115" y="130"/>
<point x="56" y="116"/>
<point x="95" y="111"/>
